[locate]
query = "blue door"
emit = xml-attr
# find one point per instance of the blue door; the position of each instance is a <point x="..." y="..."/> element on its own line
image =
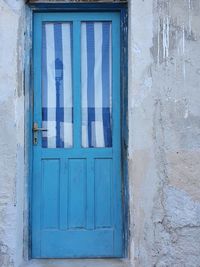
<point x="76" y="184"/>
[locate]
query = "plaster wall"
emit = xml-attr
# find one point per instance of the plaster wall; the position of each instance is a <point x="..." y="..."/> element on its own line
<point x="164" y="132"/>
<point x="12" y="132"/>
<point x="164" y="135"/>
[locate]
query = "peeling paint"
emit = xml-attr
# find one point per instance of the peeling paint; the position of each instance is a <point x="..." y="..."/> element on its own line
<point x="166" y="38"/>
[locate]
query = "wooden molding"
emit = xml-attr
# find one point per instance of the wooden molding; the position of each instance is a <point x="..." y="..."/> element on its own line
<point x="76" y="1"/>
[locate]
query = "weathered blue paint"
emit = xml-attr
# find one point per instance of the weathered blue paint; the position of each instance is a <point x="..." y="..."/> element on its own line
<point x="59" y="7"/>
<point x="61" y="176"/>
<point x="28" y="84"/>
<point x="124" y="123"/>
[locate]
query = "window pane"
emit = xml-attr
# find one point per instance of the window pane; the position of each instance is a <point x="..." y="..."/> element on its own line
<point x="96" y="73"/>
<point x="57" y="104"/>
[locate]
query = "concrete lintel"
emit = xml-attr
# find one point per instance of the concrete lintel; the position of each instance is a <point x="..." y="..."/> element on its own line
<point x="77" y="263"/>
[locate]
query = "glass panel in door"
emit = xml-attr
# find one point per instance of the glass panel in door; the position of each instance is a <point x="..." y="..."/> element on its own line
<point x="96" y="84"/>
<point x="57" y="104"/>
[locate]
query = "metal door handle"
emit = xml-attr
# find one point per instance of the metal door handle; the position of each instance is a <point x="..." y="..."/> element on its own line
<point x="39" y="129"/>
<point x="36" y="128"/>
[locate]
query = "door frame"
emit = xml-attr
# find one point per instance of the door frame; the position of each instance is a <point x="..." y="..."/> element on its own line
<point x="79" y="7"/>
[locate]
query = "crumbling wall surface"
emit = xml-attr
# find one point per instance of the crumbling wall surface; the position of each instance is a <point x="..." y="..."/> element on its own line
<point x="11" y="133"/>
<point x="164" y="132"/>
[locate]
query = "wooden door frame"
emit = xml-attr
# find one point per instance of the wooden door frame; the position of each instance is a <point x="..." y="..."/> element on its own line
<point x="81" y="7"/>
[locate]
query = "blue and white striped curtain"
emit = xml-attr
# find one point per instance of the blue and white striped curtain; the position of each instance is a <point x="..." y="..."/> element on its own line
<point x="57" y="105"/>
<point x="96" y="83"/>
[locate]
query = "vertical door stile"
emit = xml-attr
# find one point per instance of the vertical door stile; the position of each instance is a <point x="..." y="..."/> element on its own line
<point x="117" y="211"/>
<point x="37" y="164"/>
<point x="76" y="83"/>
<point x="37" y="71"/>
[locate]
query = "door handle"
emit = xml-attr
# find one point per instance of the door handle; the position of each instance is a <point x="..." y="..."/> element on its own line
<point x="35" y="132"/>
<point x="36" y="128"/>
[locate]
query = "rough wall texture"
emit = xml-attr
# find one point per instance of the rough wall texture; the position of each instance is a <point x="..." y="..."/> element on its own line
<point x="11" y="134"/>
<point x="164" y="132"/>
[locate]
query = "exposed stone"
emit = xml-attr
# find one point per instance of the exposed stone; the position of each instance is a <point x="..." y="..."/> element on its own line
<point x="184" y="169"/>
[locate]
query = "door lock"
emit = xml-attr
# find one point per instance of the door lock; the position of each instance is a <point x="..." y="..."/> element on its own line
<point x="35" y="132"/>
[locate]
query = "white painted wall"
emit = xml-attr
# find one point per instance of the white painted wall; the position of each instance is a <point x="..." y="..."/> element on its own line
<point x="12" y="132"/>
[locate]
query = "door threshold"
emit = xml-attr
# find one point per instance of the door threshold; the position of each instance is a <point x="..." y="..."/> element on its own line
<point x="77" y="263"/>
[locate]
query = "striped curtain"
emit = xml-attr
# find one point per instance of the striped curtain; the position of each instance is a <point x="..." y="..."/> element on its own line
<point x="96" y="84"/>
<point x="57" y="107"/>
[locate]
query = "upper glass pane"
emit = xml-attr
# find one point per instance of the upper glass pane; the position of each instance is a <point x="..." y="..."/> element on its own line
<point x="57" y="104"/>
<point x="96" y="84"/>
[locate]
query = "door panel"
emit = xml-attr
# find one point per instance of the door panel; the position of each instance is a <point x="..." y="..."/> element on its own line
<point x="103" y="192"/>
<point x="77" y="193"/>
<point x="50" y="193"/>
<point x="76" y="185"/>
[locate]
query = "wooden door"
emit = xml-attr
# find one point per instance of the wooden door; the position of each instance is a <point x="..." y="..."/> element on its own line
<point x="76" y="182"/>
